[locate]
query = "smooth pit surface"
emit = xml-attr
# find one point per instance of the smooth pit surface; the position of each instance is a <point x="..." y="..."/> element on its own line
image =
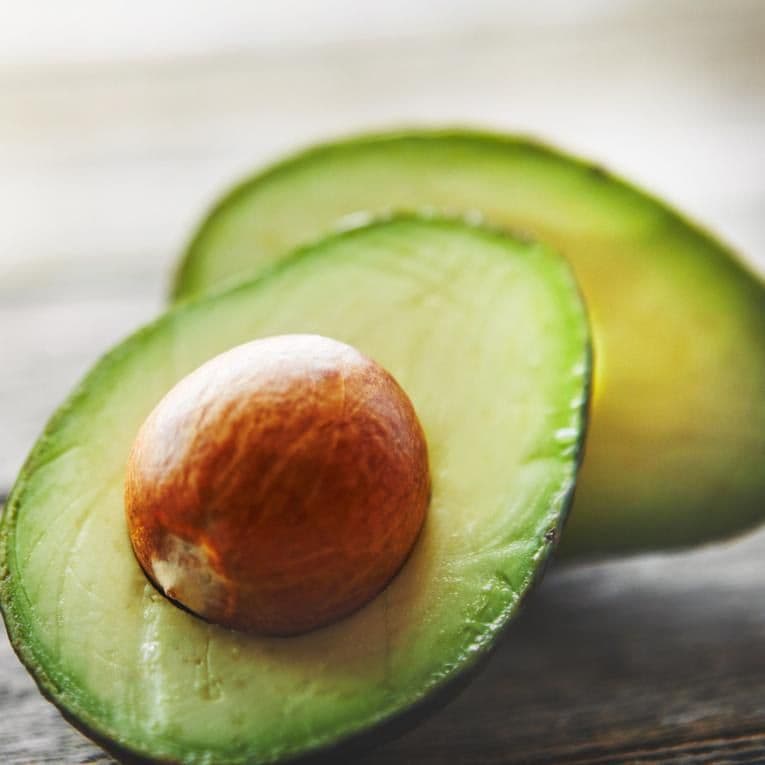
<point x="279" y="486"/>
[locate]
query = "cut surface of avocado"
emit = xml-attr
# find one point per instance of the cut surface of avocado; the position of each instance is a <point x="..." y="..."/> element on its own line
<point x="677" y="436"/>
<point x="488" y="337"/>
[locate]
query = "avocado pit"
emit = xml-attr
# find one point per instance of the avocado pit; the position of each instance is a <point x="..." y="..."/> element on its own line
<point x="278" y="487"/>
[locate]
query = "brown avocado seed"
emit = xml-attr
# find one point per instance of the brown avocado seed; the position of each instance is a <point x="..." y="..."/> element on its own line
<point x="279" y="486"/>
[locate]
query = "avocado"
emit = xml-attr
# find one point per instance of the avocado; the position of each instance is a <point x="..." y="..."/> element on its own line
<point x="677" y="437"/>
<point x="488" y="337"/>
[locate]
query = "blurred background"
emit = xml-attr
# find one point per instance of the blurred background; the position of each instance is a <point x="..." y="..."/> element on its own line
<point x="118" y="127"/>
<point x="120" y="122"/>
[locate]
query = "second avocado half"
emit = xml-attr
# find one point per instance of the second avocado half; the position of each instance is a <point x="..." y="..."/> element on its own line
<point x="677" y="436"/>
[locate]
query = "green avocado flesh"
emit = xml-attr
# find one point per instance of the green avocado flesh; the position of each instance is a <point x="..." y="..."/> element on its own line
<point x="486" y="334"/>
<point x="677" y="436"/>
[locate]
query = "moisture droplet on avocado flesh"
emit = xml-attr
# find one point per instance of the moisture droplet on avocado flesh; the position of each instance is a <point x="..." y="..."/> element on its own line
<point x="488" y="338"/>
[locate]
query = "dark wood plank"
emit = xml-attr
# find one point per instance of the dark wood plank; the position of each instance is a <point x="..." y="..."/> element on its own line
<point x="655" y="659"/>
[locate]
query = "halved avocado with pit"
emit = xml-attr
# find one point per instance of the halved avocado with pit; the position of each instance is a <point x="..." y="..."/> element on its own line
<point x="677" y="437"/>
<point x="488" y="337"/>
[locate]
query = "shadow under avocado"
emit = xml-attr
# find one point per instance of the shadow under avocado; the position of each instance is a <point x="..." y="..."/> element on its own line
<point x="614" y="657"/>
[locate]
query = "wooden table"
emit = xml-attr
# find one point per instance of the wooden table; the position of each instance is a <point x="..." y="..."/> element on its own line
<point x="107" y="160"/>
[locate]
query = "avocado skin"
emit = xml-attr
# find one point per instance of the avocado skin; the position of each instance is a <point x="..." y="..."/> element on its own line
<point x="607" y="520"/>
<point x="397" y="724"/>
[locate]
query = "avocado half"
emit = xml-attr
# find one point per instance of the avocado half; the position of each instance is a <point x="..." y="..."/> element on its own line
<point x="487" y="335"/>
<point x="677" y="435"/>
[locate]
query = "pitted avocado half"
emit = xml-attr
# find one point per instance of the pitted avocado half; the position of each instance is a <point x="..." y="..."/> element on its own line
<point x="488" y="337"/>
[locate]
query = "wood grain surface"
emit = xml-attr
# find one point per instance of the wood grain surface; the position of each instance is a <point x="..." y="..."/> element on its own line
<point x="656" y="659"/>
<point x="107" y="160"/>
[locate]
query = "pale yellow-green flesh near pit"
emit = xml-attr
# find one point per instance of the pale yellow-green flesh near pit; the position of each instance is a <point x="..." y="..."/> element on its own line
<point x="676" y="445"/>
<point x="488" y="337"/>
